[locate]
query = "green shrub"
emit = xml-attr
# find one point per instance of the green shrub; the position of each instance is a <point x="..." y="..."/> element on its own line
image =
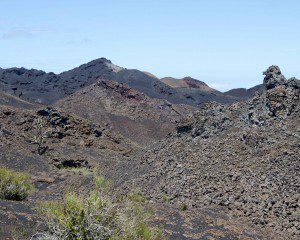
<point x="167" y="198"/>
<point x="183" y="207"/>
<point x="96" y="216"/>
<point x="14" y="185"/>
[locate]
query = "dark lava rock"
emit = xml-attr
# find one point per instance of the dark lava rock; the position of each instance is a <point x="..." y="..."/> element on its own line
<point x="273" y="77"/>
<point x="70" y="163"/>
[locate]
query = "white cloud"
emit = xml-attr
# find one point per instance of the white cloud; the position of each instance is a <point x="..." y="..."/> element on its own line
<point x="38" y="30"/>
<point x="83" y="40"/>
<point x="17" y="33"/>
<point x="291" y="49"/>
<point x="219" y="86"/>
<point x="25" y="32"/>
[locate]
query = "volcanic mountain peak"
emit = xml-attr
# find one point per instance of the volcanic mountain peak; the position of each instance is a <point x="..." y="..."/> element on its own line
<point x="114" y="67"/>
<point x="101" y="62"/>
<point x="95" y="66"/>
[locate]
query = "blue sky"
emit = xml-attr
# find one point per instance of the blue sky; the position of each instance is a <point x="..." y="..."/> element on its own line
<point x="226" y="43"/>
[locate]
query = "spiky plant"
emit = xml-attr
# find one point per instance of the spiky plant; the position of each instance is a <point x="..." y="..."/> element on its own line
<point x="40" y="136"/>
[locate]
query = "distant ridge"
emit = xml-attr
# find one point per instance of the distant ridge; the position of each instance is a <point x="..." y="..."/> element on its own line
<point x="47" y="88"/>
<point x="243" y="92"/>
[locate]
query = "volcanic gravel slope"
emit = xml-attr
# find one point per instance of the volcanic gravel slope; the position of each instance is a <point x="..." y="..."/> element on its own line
<point x="243" y="158"/>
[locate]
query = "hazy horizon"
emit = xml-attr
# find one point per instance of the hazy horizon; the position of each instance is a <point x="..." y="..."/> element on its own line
<point x="227" y="44"/>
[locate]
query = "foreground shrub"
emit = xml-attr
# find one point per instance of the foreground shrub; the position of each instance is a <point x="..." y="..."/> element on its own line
<point x="14" y="185"/>
<point x="97" y="217"/>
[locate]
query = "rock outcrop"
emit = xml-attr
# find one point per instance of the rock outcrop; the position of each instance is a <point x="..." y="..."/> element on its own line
<point x="273" y="77"/>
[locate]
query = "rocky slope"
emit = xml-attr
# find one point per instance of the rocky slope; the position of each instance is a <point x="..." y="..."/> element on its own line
<point x="11" y="100"/>
<point x="74" y="147"/>
<point x="128" y="111"/>
<point x="242" y="158"/>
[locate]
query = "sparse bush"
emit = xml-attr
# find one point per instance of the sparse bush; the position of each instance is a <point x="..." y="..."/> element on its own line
<point x="20" y="233"/>
<point x="97" y="217"/>
<point x="14" y="185"/>
<point x="40" y="136"/>
<point x="183" y="207"/>
<point x="167" y="198"/>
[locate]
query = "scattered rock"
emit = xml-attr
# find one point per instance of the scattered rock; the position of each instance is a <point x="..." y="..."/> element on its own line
<point x="70" y="163"/>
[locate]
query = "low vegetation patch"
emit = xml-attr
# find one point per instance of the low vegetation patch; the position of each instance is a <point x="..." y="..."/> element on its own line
<point x="14" y="186"/>
<point x="183" y="207"/>
<point x="96" y="216"/>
